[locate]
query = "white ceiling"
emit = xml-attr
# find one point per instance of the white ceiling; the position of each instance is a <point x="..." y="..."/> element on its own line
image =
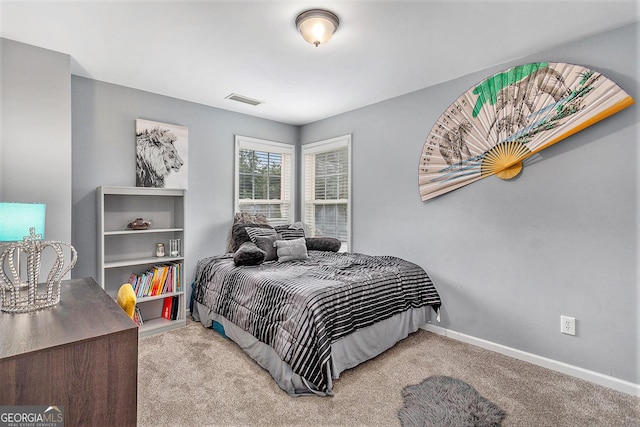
<point x="203" y="51"/>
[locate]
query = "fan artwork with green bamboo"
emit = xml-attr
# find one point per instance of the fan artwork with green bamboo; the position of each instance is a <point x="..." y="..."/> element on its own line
<point x="494" y="126"/>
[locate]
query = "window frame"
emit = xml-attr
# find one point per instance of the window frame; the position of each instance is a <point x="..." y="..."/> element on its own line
<point x="263" y="145"/>
<point x="326" y="145"/>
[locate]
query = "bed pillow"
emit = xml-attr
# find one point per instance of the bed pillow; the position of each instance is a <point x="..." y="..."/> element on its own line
<point x="243" y="218"/>
<point x="289" y="250"/>
<point x="267" y="244"/>
<point x="328" y="244"/>
<point x="248" y="254"/>
<point x="248" y="218"/>
<point x="255" y="232"/>
<point x="239" y="234"/>
<point x="303" y="226"/>
<point x="286" y="232"/>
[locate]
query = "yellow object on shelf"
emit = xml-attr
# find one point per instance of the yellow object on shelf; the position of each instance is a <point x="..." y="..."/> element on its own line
<point x="127" y="299"/>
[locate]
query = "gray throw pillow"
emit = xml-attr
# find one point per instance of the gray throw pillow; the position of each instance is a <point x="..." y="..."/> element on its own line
<point x="285" y="232"/>
<point x="255" y="232"/>
<point x="267" y="244"/>
<point x="302" y="226"/>
<point x="289" y="250"/>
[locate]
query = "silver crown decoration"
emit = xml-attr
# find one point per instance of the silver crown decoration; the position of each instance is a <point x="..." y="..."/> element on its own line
<point x="20" y="297"/>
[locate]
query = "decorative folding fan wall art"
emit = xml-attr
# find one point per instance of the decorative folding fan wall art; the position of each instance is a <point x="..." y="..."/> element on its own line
<point x="494" y="126"/>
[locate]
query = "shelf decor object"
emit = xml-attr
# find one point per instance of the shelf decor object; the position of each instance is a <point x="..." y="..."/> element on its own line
<point x="139" y="224"/>
<point x="494" y="126"/>
<point x="17" y="295"/>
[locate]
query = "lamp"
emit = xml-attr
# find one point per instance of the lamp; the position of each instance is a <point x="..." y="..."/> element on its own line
<point x="22" y="231"/>
<point x="16" y="220"/>
<point x="317" y="25"/>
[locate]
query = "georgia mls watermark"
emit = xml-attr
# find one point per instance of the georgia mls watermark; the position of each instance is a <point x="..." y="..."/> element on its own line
<point x="31" y="416"/>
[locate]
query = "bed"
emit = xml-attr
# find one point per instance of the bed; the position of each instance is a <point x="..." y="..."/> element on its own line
<point x="307" y="318"/>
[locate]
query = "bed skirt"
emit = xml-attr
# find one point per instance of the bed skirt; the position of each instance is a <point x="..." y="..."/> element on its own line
<point x="346" y="353"/>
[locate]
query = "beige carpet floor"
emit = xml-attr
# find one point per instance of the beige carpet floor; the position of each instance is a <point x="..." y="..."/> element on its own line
<point x="194" y="377"/>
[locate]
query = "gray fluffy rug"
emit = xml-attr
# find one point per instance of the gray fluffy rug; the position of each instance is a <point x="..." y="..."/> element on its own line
<point x="447" y="401"/>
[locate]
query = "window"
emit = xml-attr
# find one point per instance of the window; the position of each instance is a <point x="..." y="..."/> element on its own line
<point x="265" y="179"/>
<point x="326" y="180"/>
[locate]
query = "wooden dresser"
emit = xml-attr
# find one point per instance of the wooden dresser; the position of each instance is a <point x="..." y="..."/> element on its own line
<point x="81" y="354"/>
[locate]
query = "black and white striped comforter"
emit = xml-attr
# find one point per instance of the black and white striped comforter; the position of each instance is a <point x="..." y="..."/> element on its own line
<point x="300" y="307"/>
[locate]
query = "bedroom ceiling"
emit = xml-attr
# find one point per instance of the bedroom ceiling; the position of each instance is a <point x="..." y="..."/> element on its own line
<point x="204" y="51"/>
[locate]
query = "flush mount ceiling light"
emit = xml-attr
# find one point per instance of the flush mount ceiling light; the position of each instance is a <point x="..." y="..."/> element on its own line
<point x="317" y="25"/>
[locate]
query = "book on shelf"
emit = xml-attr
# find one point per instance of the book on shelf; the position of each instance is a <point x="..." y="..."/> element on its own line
<point x="137" y="316"/>
<point x="168" y="284"/>
<point x="175" y="304"/>
<point x="166" y="308"/>
<point x="158" y="280"/>
<point x="164" y="280"/>
<point x="177" y="283"/>
<point x="170" y="307"/>
<point x="157" y="274"/>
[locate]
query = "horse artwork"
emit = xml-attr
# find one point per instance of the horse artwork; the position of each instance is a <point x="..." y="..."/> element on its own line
<point x="161" y="155"/>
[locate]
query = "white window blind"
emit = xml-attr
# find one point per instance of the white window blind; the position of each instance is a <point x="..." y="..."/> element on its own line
<point x="327" y="188"/>
<point x="265" y="179"/>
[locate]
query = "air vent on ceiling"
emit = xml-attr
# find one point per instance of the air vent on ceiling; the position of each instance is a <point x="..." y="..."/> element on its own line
<point x="246" y="100"/>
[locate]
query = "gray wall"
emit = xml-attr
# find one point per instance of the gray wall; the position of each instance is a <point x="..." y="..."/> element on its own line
<point x="35" y="140"/>
<point x="104" y="118"/>
<point x="510" y="257"/>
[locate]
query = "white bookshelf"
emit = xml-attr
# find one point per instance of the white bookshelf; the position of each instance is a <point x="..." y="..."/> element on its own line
<point x="123" y="251"/>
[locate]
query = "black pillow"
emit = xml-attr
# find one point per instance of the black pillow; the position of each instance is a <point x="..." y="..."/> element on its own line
<point x="244" y="218"/>
<point x="248" y="254"/>
<point x="266" y="243"/>
<point x="328" y="244"/>
<point x="239" y="234"/>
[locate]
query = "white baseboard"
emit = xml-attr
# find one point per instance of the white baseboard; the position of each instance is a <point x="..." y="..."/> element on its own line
<point x="574" y="371"/>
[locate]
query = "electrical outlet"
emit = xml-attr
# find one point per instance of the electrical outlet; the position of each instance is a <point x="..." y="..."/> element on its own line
<point x="568" y="325"/>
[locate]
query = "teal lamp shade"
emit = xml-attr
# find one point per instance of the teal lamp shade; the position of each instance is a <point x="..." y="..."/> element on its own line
<point x="16" y="220"/>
